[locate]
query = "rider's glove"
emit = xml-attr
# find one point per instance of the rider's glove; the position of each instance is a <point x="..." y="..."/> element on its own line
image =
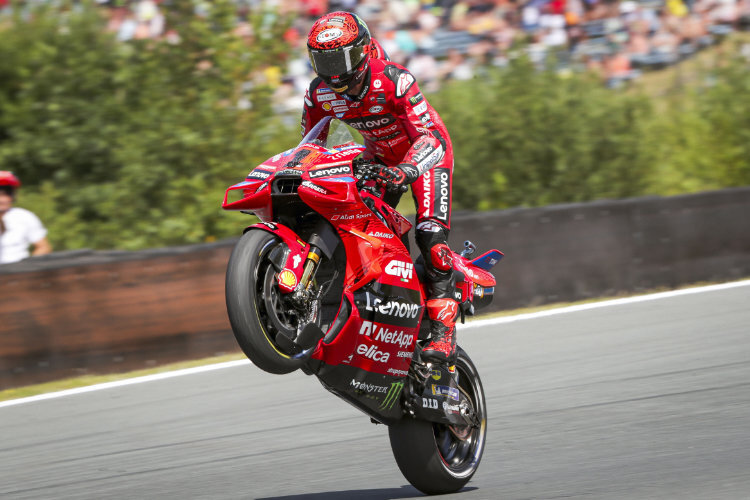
<point x="401" y="175"/>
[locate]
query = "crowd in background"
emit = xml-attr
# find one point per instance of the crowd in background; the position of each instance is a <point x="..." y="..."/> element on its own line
<point x="454" y="39"/>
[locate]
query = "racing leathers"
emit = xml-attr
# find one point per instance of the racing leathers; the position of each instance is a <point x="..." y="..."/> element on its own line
<point x="403" y="132"/>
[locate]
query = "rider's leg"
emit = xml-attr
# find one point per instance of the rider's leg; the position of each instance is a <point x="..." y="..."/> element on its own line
<point x="432" y="195"/>
<point x="442" y="308"/>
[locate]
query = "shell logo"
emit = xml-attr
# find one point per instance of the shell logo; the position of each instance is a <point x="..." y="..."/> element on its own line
<point x="287" y="279"/>
<point x="327" y="106"/>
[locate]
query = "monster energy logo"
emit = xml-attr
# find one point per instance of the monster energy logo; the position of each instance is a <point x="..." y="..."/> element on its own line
<point x="392" y="395"/>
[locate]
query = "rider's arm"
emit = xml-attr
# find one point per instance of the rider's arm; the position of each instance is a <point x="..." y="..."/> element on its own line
<point x="418" y="119"/>
<point x="312" y="112"/>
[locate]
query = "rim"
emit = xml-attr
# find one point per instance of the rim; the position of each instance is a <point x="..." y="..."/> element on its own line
<point x="461" y="447"/>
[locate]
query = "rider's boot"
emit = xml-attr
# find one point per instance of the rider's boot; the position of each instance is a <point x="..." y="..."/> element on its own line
<point x="442" y="347"/>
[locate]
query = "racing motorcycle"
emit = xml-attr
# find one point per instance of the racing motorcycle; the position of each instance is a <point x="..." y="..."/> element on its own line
<point x="325" y="283"/>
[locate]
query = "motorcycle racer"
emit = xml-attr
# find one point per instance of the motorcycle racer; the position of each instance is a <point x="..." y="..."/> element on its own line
<point x="358" y="84"/>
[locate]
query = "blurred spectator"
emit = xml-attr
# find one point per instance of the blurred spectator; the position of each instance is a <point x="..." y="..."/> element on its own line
<point x="19" y="228"/>
<point x="453" y="39"/>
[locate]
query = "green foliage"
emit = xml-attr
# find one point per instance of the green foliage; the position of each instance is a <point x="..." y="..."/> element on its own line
<point x="525" y="137"/>
<point x="131" y="145"/>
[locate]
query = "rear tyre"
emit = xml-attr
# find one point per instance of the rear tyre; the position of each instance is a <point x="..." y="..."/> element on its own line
<point x="437" y="458"/>
<point x="264" y="328"/>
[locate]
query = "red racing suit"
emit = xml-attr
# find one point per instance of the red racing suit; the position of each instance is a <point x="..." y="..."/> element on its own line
<point x="400" y="128"/>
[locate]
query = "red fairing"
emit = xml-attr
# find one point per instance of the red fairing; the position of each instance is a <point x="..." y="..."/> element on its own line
<point x="472" y="272"/>
<point x="291" y="271"/>
<point x="375" y="347"/>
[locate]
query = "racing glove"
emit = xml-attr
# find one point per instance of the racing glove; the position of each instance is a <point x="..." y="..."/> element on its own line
<point x="400" y="175"/>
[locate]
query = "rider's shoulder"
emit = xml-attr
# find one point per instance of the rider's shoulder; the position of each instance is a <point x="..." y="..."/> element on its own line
<point x="398" y="75"/>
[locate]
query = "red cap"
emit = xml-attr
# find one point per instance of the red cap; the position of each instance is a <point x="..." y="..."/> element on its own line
<point x="8" y="179"/>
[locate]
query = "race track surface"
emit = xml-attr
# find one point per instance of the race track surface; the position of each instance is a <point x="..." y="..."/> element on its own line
<point x="641" y="400"/>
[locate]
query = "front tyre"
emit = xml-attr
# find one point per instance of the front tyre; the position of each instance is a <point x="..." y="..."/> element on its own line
<point x="437" y="458"/>
<point x="257" y="316"/>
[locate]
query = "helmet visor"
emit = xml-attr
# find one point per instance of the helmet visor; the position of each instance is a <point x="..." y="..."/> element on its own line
<point x="339" y="62"/>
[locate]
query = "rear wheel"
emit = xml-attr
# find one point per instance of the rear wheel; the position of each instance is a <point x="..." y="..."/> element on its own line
<point x="264" y="323"/>
<point x="438" y="458"/>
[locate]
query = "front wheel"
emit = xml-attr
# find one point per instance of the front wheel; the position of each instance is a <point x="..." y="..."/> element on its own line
<point x="263" y="324"/>
<point x="438" y="458"/>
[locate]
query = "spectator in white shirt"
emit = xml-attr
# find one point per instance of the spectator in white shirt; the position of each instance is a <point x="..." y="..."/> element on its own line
<point x="19" y="228"/>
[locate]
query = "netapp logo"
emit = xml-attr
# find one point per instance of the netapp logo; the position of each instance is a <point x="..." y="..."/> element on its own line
<point x="383" y="334"/>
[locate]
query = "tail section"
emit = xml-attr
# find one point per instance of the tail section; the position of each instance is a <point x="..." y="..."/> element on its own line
<point x="487" y="260"/>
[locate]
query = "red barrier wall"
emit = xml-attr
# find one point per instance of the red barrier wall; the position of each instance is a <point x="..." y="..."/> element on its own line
<point x="93" y="312"/>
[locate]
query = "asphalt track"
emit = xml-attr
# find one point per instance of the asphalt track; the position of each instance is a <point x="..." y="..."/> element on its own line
<point x="636" y="400"/>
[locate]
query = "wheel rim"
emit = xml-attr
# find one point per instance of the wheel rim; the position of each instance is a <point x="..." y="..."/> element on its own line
<point x="461" y="447"/>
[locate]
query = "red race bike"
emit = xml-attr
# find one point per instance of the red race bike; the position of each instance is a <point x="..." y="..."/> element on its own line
<point x="325" y="283"/>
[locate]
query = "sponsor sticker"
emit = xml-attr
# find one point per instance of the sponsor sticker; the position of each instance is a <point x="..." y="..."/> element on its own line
<point x="373" y="123"/>
<point x="327" y="106"/>
<point x="430" y="403"/>
<point x="425" y="118"/>
<point x="384" y="334"/>
<point x="444" y="390"/>
<point x="287" y="279"/>
<point x="329" y="35"/>
<point x="327" y="172"/>
<point x="399" y="269"/>
<point x="376" y="109"/>
<point x="420" y="108"/>
<point x="315" y="188"/>
<point x="367" y="387"/>
<point x="258" y="174"/>
<point x="416" y="99"/>
<point x="339" y="102"/>
<point x="393" y="393"/>
<point x="373" y="353"/>
<point x="326" y="97"/>
<point x="393" y="308"/>
<point x="384" y="131"/>
<point x="377" y="84"/>
<point x="341" y="109"/>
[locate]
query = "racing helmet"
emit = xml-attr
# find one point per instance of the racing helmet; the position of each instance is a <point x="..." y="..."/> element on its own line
<point x="339" y="50"/>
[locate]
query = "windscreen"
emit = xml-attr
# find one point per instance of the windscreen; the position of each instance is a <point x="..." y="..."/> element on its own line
<point x="329" y="133"/>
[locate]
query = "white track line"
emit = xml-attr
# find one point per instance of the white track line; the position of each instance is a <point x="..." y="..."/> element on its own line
<point x="471" y="324"/>
<point x="604" y="303"/>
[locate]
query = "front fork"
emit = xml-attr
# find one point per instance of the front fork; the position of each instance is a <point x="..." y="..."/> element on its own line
<point x="301" y="295"/>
